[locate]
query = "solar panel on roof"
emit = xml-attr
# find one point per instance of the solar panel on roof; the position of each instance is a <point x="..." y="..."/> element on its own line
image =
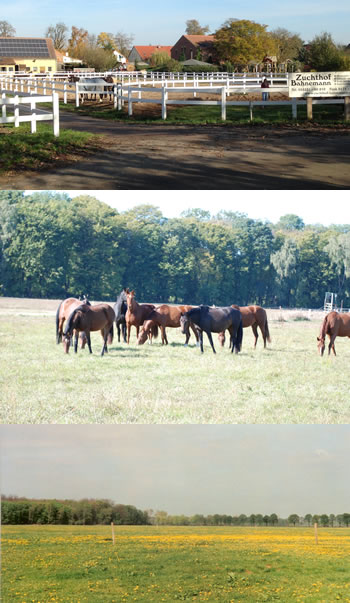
<point x="24" y="47"/>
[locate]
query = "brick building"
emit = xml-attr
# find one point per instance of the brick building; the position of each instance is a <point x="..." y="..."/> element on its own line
<point x="194" y="47"/>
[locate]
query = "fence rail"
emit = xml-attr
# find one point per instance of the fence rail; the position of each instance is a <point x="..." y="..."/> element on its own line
<point x="15" y="101"/>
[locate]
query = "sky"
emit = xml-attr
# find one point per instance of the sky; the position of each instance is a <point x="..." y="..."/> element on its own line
<point x="183" y="469"/>
<point x="163" y="23"/>
<point x="312" y="206"/>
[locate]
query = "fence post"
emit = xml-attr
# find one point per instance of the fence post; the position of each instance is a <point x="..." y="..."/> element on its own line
<point x="113" y="537"/>
<point x="3" y="113"/>
<point x="129" y="101"/>
<point x="33" y="116"/>
<point x="16" y="110"/>
<point x="294" y="108"/>
<point x="223" y="103"/>
<point x="347" y="108"/>
<point x="164" y="101"/>
<point x="65" y="93"/>
<point x="309" y="107"/>
<point x="251" y="110"/>
<point x="77" y="94"/>
<point x="56" y="114"/>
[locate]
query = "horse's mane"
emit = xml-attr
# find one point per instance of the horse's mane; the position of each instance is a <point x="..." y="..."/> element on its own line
<point x="58" y="316"/>
<point x="119" y="304"/>
<point x="323" y="331"/>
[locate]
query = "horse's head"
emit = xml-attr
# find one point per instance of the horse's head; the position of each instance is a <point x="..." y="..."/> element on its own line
<point x="321" y="345"/>
<point x="184" y="323"/>
<point x="143" y="335"/>
<point x="130" y="296"/>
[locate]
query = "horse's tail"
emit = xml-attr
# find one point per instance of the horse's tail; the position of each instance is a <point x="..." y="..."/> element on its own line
<point x="154" y="331"/>
<point x="58" y="337"/>
<point x="239" y="337"/>
<point x="110" y="335"/>
<point x="267" y="332"/>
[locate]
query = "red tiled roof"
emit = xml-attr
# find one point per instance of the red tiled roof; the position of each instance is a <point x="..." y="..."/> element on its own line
<point x="199" y="39"/>
<point x="146" y="52"/>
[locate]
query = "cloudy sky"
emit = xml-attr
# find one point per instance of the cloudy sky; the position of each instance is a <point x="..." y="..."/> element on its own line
<point x="186" y="469"/>
<point x="312" y="206"/>
<point x="163" y="23"/>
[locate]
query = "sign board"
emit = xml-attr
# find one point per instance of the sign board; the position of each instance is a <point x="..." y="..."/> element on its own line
<point x="325" y="83"/>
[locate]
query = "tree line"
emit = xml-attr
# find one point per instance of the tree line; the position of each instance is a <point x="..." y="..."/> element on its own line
<point x="16" y="510"/>
<point x="53" y="246"/>
<point x="20" y="510"/>
<point x="238" y="43"/>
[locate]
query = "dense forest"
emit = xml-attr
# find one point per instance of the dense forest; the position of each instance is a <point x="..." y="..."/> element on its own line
<point x="16" y="510"/>
<point x="53" y="246"/>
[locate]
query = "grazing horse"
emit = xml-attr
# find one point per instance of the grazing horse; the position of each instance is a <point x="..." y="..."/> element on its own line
<point x="65" y="308"/>
<point x="90" y="318"/>
<point x="136" y="313"/>
<point x="109" y="89"/>
<point x="165" y="316"/>
<point x="334" y="325"/>
<point x="216" y="320"/>
<point x="120" y="308"/>
<point x="252" y="316"/>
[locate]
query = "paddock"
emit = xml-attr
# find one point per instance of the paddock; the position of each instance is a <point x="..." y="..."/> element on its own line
<point x="286" y="383"/>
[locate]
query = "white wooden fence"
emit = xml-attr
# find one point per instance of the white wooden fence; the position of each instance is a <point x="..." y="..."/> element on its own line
<point x="23" y="108"/>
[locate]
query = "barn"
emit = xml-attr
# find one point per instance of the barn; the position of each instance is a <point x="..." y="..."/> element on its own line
<point x="32" y="55"/>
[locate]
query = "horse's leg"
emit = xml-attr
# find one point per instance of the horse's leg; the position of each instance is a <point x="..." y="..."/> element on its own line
<point x="164" y="337"/>
<point x="88" y="340"/>
<point x="128" y="329"/>
<point x="256" y="335"/>
<point x="76" y="341"/>
<point x="118" y="329"/>
<point x="200" y="336"/>
<point x="124" y="331"/>
<point x="331" y="345"/>
<point x="104" y="333"/>
<point x="211" y="340"/>
<point x="232" y="338"/>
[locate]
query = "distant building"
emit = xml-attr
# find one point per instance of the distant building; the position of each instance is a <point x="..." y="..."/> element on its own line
<point x="64" y="61"/>
<point x="194" y="47"/>
<point x="36" y="55"/>
<point x="142" y="54"/>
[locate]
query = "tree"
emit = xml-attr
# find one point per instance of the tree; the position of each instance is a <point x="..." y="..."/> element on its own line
<point x="242" y="41"/>
<point x="106" y="41"/>
<point x="193" y="28"/>
<point x="7" y="30"/>
<point x="79" y="37"/>
<point x="288" y="45"/>
<point x="324" y="520"/>
<point x="290" y="222"/>
<point x="123" y="42"/>
<point x="324" y="55"/>
<point x="294" y="519"/>
<point x="273" y="519"/>
<point x="308" y="518"/>
<point x="338" y="250"/>
<point x="159" y="58"/>
<point x="95" y="57"/>
<point x="58" y="33"/>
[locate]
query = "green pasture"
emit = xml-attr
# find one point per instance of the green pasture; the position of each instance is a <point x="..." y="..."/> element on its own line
<point x="286" y="383"/>
<point x="71" y="564"/>
<point x="235" y="115"/>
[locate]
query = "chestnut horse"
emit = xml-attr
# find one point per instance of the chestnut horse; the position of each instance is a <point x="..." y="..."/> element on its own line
<point x="65" y="308"/>
<point x="216" y="320"/>
<point x="90" y="318"/>
<point x="252" y="316"/>
<point x="136" y="313"/>
<point x="334" y="325"/>
<point x="165" y="316"/>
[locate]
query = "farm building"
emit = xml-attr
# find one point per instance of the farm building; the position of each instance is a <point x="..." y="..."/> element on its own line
<point x="142" y="54"/>
<point x="65" y="62"/>
<point x="194" y="47"/>
<point x="27" y="54"/>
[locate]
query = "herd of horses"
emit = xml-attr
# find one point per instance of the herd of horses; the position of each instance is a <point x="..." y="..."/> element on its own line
<point x="77" y="318"/>
<point x="94" y="87"/>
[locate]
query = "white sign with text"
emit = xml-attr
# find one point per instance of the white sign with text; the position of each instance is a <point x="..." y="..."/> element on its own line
<point x="325" y="83"/>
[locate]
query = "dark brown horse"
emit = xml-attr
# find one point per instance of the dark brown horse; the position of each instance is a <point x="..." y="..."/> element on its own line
<point x="90" y="318"/>
<point x="65" y="308"/>
<point x="216" y="320"/>
<point x="136" y="313"/>
<point x="334" y="325"/>
<point x="165" y="316"/>
<point x="252" y="316"/>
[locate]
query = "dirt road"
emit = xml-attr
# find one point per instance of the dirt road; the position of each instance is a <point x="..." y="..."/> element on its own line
<point x="198" y="157"/>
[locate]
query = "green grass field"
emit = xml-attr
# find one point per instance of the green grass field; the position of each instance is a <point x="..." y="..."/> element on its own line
<point x="286" y="383"/>
<point x="71" y="564"/>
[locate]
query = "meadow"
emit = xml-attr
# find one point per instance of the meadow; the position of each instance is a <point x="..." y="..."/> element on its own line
<point x="74" y="564"/>
<point x="286" y="383"/>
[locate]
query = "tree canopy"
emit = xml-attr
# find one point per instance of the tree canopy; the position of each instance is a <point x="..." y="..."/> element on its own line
<point x="242" y="41"/>
<point x="194" y="28"/>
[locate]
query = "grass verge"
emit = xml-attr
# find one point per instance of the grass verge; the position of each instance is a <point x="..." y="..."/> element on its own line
<point x="325" y="115"/>
<point x="21" y="150"/>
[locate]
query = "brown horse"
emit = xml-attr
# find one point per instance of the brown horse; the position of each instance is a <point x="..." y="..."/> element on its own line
<point x="164" y="316"/>
<point x="65" y="308"/>
<point x="90" y="318"/>
<point x="252" y="316"/>
<point x="136" y="313"/>
<point x="334" y="325"/>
